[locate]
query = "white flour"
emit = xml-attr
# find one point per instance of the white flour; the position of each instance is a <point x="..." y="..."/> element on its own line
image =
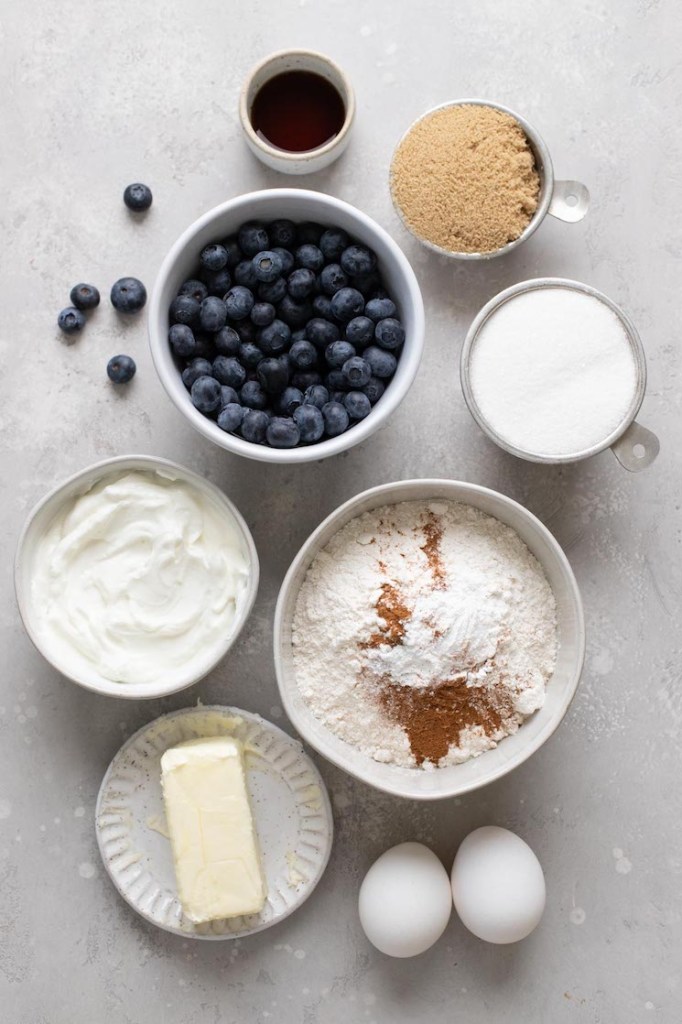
<point x="473" y="606"/>
<point x="552" y="371"/>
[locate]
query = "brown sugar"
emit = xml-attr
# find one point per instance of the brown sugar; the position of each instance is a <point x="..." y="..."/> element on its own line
<point x="464" y="178"/>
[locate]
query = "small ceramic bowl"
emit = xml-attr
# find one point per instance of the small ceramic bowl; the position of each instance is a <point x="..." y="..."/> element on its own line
<point x="285" y="160"/>
<point x="39" y="520"/>
<point x="453" y="780"/>
<point x="298" y="205"/>
<point x="566" y="200"/>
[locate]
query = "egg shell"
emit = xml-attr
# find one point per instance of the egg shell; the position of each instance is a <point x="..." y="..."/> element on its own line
<point x="405" y="900"/>
<point x="497" y="885"/>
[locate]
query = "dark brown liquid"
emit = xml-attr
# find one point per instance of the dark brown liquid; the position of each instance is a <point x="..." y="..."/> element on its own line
<point x="297" y="111"/>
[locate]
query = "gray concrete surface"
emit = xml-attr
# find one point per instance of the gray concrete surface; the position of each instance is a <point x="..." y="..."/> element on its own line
<point x="96" y="95"/>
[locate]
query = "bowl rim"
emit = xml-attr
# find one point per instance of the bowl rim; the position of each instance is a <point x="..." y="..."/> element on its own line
<point x="543" y="165"/>
<point x="170" y="377"/>
<point x="288" y="155"/>
<point x="310" y="548"/>
<point x="133" y="691"/>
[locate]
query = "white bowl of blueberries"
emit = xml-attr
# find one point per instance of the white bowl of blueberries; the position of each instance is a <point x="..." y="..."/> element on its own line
<point x="286" y="325"/>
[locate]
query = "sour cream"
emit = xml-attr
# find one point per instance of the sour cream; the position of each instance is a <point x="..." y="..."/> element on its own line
<point x="141" y="576"/>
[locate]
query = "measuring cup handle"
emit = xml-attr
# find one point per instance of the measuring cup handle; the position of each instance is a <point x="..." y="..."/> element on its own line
<point x="570" y="201"/>
<point x="636" y="448"/>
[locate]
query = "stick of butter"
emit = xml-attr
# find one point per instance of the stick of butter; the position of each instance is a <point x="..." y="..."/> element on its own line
<point x="214" y="842"/>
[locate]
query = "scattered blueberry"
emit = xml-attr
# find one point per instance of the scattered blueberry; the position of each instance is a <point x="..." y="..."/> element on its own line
<point x="282" y="233"/>
<point x="138" y="197"/>
<point x="182" y="341"/>
<point x="360" y="331"/>
<point x="289" y="401"/>
<point x="245" y="274"/>
<point x="332" y="279"/>
<point x="357" y="371"/>
<point x="253" y="396"/>
<point x="267" y="266"/>
<point x="262" y="314"/>
<point x="282" y="432"/>
<point x="303" y="355"/>
<point x="273" y="375"/>
<point x="357" y="405"/>
<point x="301" y="283"/>
<point x="357" y="260"/>
<point x="254" y="425"/>
<point x="310" y="423"/>
<point x="389" y="333"/>
<point x="338" y="352"/>
<point x="213" y="257"/>
<point x="316" y="395"/>
<point x="184" y="309"/>
<point x="197" y="368"/>
<point x="195" y="289"/>
<point x="230" y="417"/>
<point x="128" y="295"/>
<point x="382" y="364"/>
<point x="336" y="418"/>
<point x="84" y="296"/>
<point x="332" y="243"/>
<point x="212" y="314"/>
<point x="121" y="369"/>
<point x="274" y="338"/>
<point x="205" y="394"/>
<point x="347" y="303"/>
<point x="310" y="257"/>
<point x="239" y="302"/>
<point x="227" y="341"/>
<point x="71" y="320"/>
<point x="252" y="238"/>
<point x="321" y="332"/>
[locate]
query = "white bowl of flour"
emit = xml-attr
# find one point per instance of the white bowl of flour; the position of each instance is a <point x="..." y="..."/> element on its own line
<point x="429" y="637"/>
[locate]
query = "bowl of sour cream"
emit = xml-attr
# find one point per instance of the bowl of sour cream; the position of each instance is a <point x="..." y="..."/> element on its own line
<point x="135" y="576"/>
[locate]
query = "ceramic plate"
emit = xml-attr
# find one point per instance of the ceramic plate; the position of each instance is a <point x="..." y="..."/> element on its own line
<point x="290" y="805"/>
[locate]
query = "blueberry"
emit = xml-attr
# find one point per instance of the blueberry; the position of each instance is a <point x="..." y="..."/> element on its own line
<point x="273" y="375"/>
<point x="205" y="394"/>
<point x="282" y="432"/>
<point x="310" y="423"/>
<point x="254" y="425"/>
<point x="382" y="364"/>
<point x="303" y="355"/>
<point x="227" y="395"/>
<point x="374" y="390"/>
<point x="128" y="295"/>
<point x="309" y="233"/>
<point x="288" y="401"/>
<point x="321" y="332"/>
<point x="336" y="418"/>
<point x="230" y="417"/>
<point x="184" y="309"/>
<point x="239" y="302"/>
<point x="267" y="266"/>
<point x="121" y="369"/>
<point x="282" y="233"/>
<point x="333" y="242"/>
<point x="337" y="396"/>
<point x="197" y="368"/>
<point x="252" y="238"/>
<point x="295" y="314"/>
<point x="301" y="283"/>
<point x="316" y="395"/>
<point x="217" y="281"/>
<point x="213" y="257"/>
<point x="262" y="314"/>
<point x="274" y="338"/>
<point x="195" y="289"/>
<point x="357" y="405"/>
<point x="358" y="260"/>
<point x="347" y="303"/>
<point x="84" y="296"/>
<point x="310" y="257"/>
<point x="212" y="314"/>
<point x="182" y="340"/>
<point x="71" y="320"/>
<point x="253" y="396"/>
<point x="305" y="379"/>
<point x="273" y="292"/>
<point x="378" y="309"/>
<point x="247" y="332"/>
<point x="227" y="341"/>
<point x="338" y="352"/>
<point x="245" y="274"/>
<point x="335" y="381"/>
<point x="360" y="331"/>
<point x="138" y="197"/>
<point x="367" y="284"/>
<point x="332" y="279"/>
<point x="287" y="259"/>
<point x="228" y="370"/>
<point x="205" y="348"/>
<point x="357" y="371"/>
<point x="389" y="333"/>
<point x="234" y="253"/>
<point x="322" y="306"/>
<point x="250" y="355"/>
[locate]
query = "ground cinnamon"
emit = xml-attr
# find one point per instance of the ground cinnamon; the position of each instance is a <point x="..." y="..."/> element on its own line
<point x="395" y="613"/>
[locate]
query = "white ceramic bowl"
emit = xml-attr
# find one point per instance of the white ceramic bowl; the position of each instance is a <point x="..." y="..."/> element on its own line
<point x="34" y="528"/>
<point x="512" y="751"/>
<point x="298" y="205"/>
<point x="286" y="161"/>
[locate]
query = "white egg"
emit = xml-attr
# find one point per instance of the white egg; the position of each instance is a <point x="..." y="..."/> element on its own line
<point x="498" y="885"/>
<point x="405" y="900"/>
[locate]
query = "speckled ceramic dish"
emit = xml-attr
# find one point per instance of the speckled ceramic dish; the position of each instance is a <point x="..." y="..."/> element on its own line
<point x="290" y="805"/>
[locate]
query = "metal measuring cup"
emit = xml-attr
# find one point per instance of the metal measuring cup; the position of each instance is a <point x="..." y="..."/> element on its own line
<point x="634" y="446"/>
<point x="565" y="200"/>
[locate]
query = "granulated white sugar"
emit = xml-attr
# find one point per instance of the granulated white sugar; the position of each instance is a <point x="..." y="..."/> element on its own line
<point x="552" y="371"/>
